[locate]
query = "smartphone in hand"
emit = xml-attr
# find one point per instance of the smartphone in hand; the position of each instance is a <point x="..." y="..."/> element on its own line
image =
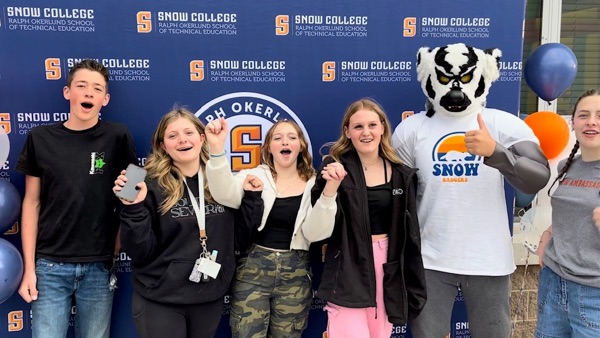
<point x="134" y="176"/>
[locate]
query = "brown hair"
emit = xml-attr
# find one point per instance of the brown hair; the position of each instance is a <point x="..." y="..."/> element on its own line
<point x="304" y="161"/>
<point x="88" y="64"/>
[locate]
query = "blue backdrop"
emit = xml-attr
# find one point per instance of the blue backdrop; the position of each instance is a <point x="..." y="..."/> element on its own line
<point x="253" y="62"/>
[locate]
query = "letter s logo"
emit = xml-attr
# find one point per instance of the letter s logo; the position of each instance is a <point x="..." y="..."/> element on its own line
<point x="144" y="22"/>
<point x="15" y="321"/>
<point x="410" y="27"/>
<point x="53" y="69"/>
<point x="196" y="70"/>
<point x="5" y="122"/>
<point x="282" y="25"/>
<point x="328" y="71"/>
<point x="238" y="147"/>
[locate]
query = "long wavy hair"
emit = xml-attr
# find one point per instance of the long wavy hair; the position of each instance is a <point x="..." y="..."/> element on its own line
<point x="563" y="172"/>
<point x="344" y="144"/>
<point x="304" y="161"/>
<point x="160" y="165"/>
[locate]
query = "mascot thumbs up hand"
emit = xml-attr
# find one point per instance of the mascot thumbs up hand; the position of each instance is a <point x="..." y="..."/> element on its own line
<point x="479" y="141"/>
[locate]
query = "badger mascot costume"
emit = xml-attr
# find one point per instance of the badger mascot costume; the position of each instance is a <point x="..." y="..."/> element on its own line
<point x="463" y="151"/>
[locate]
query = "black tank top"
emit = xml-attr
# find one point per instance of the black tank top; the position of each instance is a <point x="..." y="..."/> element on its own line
<point x="380" y="203"/>
<point x="279" y="228"/>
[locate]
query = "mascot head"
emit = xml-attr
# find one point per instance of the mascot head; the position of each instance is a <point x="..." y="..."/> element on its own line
<point x="457" y="78"/>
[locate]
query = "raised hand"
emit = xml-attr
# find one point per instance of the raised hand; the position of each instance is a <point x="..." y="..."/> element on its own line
<point x="120" y="183"/>
<point x="253" y="183"/>
<point x="216" y="133"/>
<point x="479" y="141"/>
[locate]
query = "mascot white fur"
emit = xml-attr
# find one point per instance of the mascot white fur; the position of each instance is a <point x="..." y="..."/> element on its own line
<point x="457" y="78"/>
<point x="464" y="151"/>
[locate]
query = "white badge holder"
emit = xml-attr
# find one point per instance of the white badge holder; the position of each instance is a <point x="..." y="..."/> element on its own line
<point x="209" y="267"/>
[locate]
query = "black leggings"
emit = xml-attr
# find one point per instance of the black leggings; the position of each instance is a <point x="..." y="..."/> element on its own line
<point x="157" y="320"/>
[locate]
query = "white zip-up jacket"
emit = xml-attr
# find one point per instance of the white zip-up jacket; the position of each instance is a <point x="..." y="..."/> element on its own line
<point x="313" y="223"/>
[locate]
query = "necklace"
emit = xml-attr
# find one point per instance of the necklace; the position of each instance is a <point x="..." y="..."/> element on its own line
<point x="367" y="166"/>
<point x="285" y="188"/>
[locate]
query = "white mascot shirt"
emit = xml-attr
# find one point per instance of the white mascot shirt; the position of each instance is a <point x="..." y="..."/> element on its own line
<point x="463" y="219"/>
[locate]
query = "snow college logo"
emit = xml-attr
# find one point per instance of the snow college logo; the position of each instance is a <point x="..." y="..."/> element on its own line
<point x="96" y="163"/>
<point x="451" y="161"/>
<point x="249" y="116"/>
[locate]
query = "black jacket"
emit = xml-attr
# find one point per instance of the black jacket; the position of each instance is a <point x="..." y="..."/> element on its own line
<point x="164" y="248"/>
<point x="348" y="277"/>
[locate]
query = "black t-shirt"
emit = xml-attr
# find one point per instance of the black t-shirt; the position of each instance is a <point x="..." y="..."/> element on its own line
<point x="77" y="220"/>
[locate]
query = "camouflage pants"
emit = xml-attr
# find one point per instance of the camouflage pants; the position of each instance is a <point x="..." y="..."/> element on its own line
<point x="271" y="296"/>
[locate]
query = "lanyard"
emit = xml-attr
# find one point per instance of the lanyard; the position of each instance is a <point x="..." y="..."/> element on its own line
<point x="199" y="210"/>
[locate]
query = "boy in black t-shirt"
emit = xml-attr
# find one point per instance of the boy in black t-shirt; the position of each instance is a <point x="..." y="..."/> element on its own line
<point x="68" y="221"/>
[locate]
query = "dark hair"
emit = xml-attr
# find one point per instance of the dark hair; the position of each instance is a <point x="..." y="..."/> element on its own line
<point x="88" y="64"/>
<point x="565" y="168"/>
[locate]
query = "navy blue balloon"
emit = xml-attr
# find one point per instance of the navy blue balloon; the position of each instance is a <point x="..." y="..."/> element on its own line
<point x="522" y="200"/>
<point x="550" y="70"/>
<point x="11" y="269"/>
<point x="10" y="205"/>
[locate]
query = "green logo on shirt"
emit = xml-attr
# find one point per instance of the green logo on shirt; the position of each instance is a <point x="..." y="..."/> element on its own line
<point x="96" y="163"/>
<point x="100" y="163"/>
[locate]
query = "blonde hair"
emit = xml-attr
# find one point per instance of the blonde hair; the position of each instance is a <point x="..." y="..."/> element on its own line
<point x="160" y="165"/>
<point x="344" y="144"/>
<point x="304" y="161"/>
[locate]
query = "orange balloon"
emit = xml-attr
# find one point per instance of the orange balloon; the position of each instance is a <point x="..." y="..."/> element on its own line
<point x="551" y="130"/>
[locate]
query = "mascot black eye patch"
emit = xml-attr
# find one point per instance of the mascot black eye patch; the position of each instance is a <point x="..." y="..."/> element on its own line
<point x="464" y="78"/>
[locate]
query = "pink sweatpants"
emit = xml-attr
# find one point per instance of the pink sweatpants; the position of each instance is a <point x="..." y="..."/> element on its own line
<point x="371" y="322"/>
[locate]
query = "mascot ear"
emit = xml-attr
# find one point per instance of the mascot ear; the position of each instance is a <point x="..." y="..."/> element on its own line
<point x="491" y="64"/>
<point x="421" y="52"/>
<point x="424" y="63"/>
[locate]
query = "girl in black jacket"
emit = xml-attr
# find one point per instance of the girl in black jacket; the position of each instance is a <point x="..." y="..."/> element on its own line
<point x="172" y="224"/>
<point x="373" y="274"/>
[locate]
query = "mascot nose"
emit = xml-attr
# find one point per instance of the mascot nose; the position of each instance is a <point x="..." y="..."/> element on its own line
<point x="456" y="95"/>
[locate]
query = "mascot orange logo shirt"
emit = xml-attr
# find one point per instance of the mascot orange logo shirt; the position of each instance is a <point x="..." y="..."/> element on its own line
<point x="460" y="196"/>
<point x="451" y="161"/>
